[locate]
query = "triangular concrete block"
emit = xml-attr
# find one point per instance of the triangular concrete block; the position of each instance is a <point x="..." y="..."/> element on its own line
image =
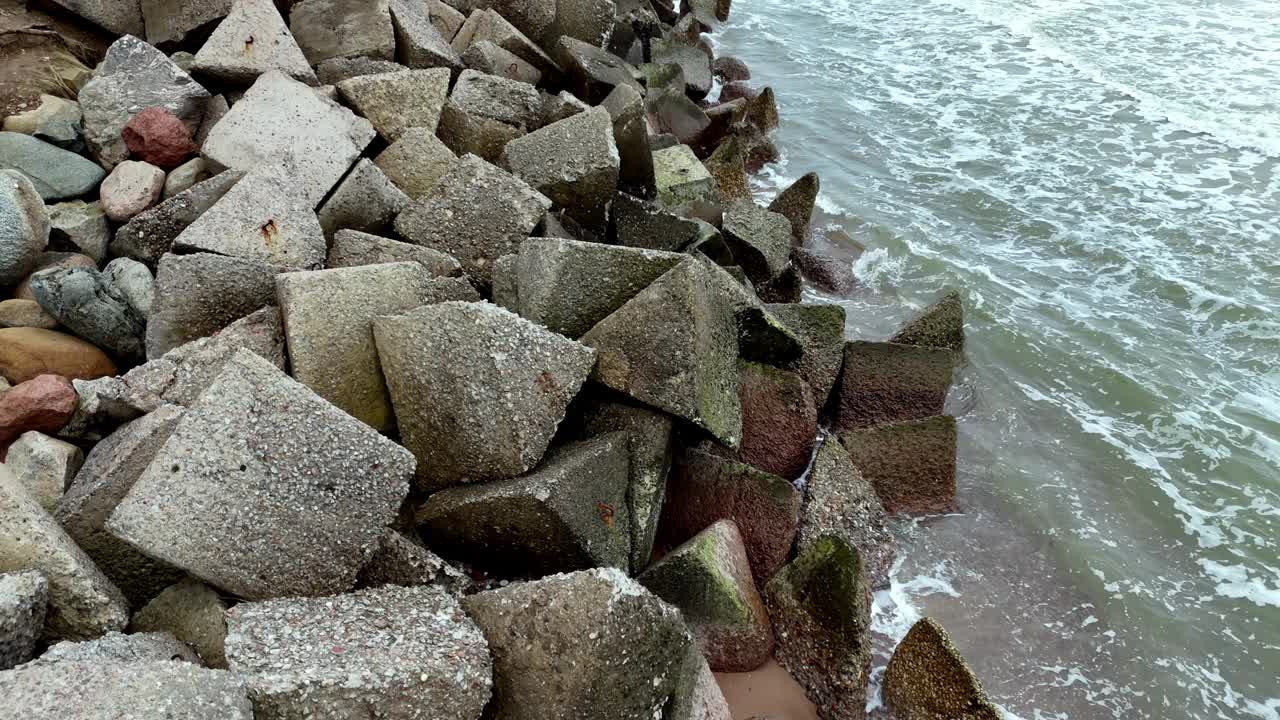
<point x="252" y="40"/>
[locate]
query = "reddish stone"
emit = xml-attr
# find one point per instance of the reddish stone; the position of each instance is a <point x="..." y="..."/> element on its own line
<point x="737" y="89"/>
<point x="730" y="69"/>
<point x="832" y="274"/>
<point x="912" y="465"/>
<point x="888" y="383"/>
<point x="44" y="404"/>
<point x="779" y="420"/>
<point x="705" y="488"/>
<point x="157" y="136"/>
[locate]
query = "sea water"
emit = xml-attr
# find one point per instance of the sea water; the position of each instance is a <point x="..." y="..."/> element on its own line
<point x="1100" y="178"/>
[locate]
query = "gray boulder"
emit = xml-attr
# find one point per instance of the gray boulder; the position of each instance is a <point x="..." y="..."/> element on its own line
<point x="351" y="248"/>
<point x="556" y="647"/>
<point x="82" y="601"/>
<point x="820" y="329"/>
<point x="419" y="43"/>
<point x="250" y="41"/>
<point x="193" y="613"/>
<point x="285" y="128"/>
<point x="939" y="325"/>
<point x="116" y="647"/>
<point x="44" y="466"/>
<point x="695" y="65"/>
<point x="476" y="213"/>
<point x="887" y="383"/>
<point x="397" y="101"/>
<point x="24" y="600"/>
<point x="402" y="560"/>
<point x="568" y="286"/>
<point x="643" y="224"/>
<point x="682" y="180"/>
<point x="109" y="472"/>
<point x="328" y="29"/>
<point x="79" y="227"/>
<point x="132" y="77"/>
<point x="590" y="21"/>
<point x="56" y="120"/>
<point x="488" y="25"/>
<point x="631" y="134"/>
<point x="760" y="240"/>
<point x="416" y="162"/>
<point x="150" y="235"/>
<point x="477" y="390"/>
<point x="490" y="59"/>
<point x="246" y="509"/>
<point x="366" y="201"/>
<point x="56" y="174"/>
<point x="85" y="302"/>
<point x="485" y="112"/>
<point x="927" y="677"/>
<point x="134" y="282"/>
<point x="674" y="347"/>
<point x="24" y="227"/>
<point x="185" y="176"/>
<point x="591" y="72"/>
<point x="152" y="690"/>
<point x="574" y="162"/>
<point x="406" y="651"/>
<point x="839" y="501"/>
<point x="118" y="16"/>
<point x="570" y="513"/>
<point x="912" y="464"/>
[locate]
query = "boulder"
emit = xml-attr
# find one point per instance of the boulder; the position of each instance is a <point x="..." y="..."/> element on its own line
<point x="54" y="173"/>
<point x="117" y="16"/>
<point x="116" y="647"/>
<point x="285" y="128"/>
<point x="193" y="613"/>
<point x="912" y="464"/>
<point x="366" y="201"/>
<point x="328" y="319"/>
<point x="250" y="41"/>
<point x="262" y="217"/>
<point x="673" y="347"/>
<point x="839" y="501"/>
<point x="941" y="325"/>
<point x="927" y="677"/>
<point x="158" y="137"/>
<point x="683" y="180"/>
<point x="760" y="240"/>
<point x="821" y="610"/>
<point x="705" y="488"/>
<point x="41" y="404"/>
<point x="56" y="121"/>
<point x="709" y="579"/>
<point x="574" y="162"/>
<point x="197" y="295"/>
<point x="397" y="101"/>
<point x="695" y="65"/>
<point x="170" y="21"/>
<point x="487" y="25"/>
<point x="85" y="302"/>
<point x="402" y="560"/>
<point x="485" y="112"/>
<point x="592" y="643"/>
<point x="592" y="73"/>
<point x="150" y="235"/>
<point x="134" y="281"/>
<point x="24" y="600"/>
<point x="779" y="420"/>
<point x="26" y="353"/>
<point x="643" y="224"/>
<point x="490" y="59"/>
<point x="533" y="18"/>
<point x="416" y="162"/>
<point x="245" y="510"/>
<point x="631" y="135"/>
<point x="25" y="313"/>
<point x="505" y="292"/>
<point x="131" y="188"/>
<point x="795" y="203"/>
<point x="185" y="176"/>
<point x="673" y="112"/>
<point x="327" y="29"/>
<point x="108" y="474"/>
<point x="351" y="249"/>
<point x="476" y="213"/>
<point x="477" y="390"/>
<point x="447" y="20"/>
<point x="570" y="513"/>
<point x="132" y="77"/>
<point x="44" y="466"/>
<point x="787" y="287"/>
<point x="729" y="170"/>
<point x="888" y="383"/>
<point x="401" y="650"/>
<point x="24" y="227"/>
<point x="51" y="261"/>
<point x="590" y="21"/>
<point x="152" y="690"/>
<point x="561" y="106"/>
<point x="82" y="601"/>
<point x="568" y="286"/>
<point x="79" y="227"/>
<point x="418" y="41"/>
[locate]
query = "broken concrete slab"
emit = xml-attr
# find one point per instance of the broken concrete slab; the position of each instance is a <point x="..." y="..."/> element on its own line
<point x="695" y="65"/>
<point x="322" y="484"/>
<point x="328" y="29"/>
<point x="193" y="613"/>
<point x="555" y="645"/>
<point x="150" y="235"/>
<point x="568" y="286"/>
<point x="44" y="466"/>
<point x="927" y="677"/>
<point x="366" y="201"/>
<point x="705" y="487"/>
<point x="261" y="218"/>
<point x="335" y="70"/>
<point x="351" y="249"/>
<point x="939" y="325"/>
<point x="911" y="464"/>
<point x="760" y="240"/>
<point x="252" y="39"/>
<point x="419" y="44"/>
<point x="397" y="101"/>
<point x="779" y="420"/>
<point x="592" y="72"/>
<point x="840" y="501"/>
<point x="821" y="608"/>
<point x="478" y="391"/>
<point x="484" y="24"/>
<point x="488" y="96"/>
<point x="416" y="162"/>
<point x="24" y="600"/>
<point x="399" y="649"/>
<point x="709" y="579"/>
<point x="170" y="21"/>
<point x="132" y="77"/>
<point x="402" y="560"/>
<point x="116" y="647"/>
<point x="574" y="162"/>
<point x="590" y="21"/>
<point x="82" y="601"/>
<point x="820" y="328"/>
<point x="488" y="58"/>
<point x="683" y="180"/>
<point x="631" y="134"/>
<point x="887" y="383"/>
<point x="477" y="213"/>
<point x="673" y="346"/>
<point x="283" y="126"/>
<point x="123" y="17"/>
<point x="643" y="224"/>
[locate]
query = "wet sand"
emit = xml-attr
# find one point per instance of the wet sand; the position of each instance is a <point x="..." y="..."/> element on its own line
<point x="768" y="692"/>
